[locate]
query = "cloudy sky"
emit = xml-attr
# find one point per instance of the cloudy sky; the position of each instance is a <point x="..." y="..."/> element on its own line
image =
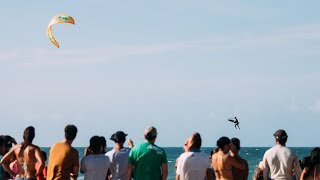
<point x="182" y="66"/>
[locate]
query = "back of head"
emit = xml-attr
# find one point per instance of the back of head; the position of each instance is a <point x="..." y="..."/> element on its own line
<point x="44" y="155"/>
<point x="150" y="133"/>
<point x="281" y="136"/>
<point x="222" y="142"/>
<point x="7" y="141"/>
<point x="95" y="144"/>
<point x="195" y="141"/>
<point x="70" y="132"/>
<point x="314" y="160"/>
<point x="315" y="156"/>
<point x="236" y="143"/>
<point x="103" y="141"/>
<point x="28" y="134"/>
<point x="119" y="137"/>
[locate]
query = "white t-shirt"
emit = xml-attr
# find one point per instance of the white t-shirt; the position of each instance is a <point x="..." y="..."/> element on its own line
<point x="95" y="166"/>
<point x="193" y="166"/>
<point x="280" y="161"/>
<point x="119" y="163"/>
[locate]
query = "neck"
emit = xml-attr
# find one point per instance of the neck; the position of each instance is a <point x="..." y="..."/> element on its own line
<point x="223" y="151"/>
<point x="233" y="154"/>
<point x="280" y="144"/>
<point x="152" y="141"/>
<point x="118" y="146"/>
<point x="68" y="141"/>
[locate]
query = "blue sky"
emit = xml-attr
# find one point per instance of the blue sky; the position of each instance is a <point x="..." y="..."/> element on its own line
<point x="182" y="66"/>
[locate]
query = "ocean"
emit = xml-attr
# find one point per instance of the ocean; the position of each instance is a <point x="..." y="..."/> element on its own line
<point x="253" y="155"/>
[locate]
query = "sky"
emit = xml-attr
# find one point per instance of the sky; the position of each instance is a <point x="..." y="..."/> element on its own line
<point x="182" y="66"/>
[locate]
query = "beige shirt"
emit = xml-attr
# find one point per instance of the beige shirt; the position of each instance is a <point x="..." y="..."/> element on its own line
<point x="281" y="162"/>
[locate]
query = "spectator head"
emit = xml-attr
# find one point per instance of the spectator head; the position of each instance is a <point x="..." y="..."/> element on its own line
<point x="44" y="155"/>
<point x="315" y="155"/>
<point x="95" y="144"/>
<point x="281" y="136"/>
<point x="7" y="141"/>
<point x="223" y="143"/>
<point x="150" y="133"/>
<point x="103" y="141"/>
<point x="28" y="135"/>
<point x="119" y="137"/>
<point x="2" y="145"/>
<point x="236" y="143"/>
<point x="70" y="132"/>
<point x="195" y="141"/>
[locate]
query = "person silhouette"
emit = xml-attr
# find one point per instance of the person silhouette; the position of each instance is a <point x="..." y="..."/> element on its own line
<point x="236" y="122"/>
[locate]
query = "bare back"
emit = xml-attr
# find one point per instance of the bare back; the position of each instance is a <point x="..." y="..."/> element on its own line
<point x="222" y="168"/>
<point x="27" y="159"/>
<point x="314" y="175"/>
<point x="223" y="164"/>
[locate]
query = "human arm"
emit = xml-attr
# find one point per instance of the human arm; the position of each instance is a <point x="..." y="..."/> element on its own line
<point x="297" y="168"/>
<point x="208" y="174"/>
<point x="5" y="162"/>
<point x="236" y="163"/>
<point x="130" y="143"/>
<point x="265" y="167"/>
<point x="108" y="174"/>
<point x="75" y="165"/>
<point x="39" y="158"/>
<point x="82" y="165"/>
<point x="303" y="173"/>
<point x="164" y="167"/>
<point x="87" y="151"/>
<point x="129" y="171"/>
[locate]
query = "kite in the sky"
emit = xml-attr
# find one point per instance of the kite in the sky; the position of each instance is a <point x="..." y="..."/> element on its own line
<point x="235" y="121"/>
<point x="60" y="18"/>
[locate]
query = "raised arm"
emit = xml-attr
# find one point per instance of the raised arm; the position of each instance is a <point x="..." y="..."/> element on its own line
<point x="237" y="164"/>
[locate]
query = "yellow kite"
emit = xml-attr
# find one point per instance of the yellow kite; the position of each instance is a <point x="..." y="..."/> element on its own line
<point x="60" y="18"/>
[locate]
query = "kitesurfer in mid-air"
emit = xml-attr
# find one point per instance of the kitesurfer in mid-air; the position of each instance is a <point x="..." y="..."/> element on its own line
<point x="236" y="122"/>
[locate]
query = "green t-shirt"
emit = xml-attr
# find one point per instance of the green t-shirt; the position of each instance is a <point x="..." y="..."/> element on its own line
<point x="146" y="160"/>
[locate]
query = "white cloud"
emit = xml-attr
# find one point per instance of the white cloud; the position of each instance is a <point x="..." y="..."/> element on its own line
<point x="315" y="107"/>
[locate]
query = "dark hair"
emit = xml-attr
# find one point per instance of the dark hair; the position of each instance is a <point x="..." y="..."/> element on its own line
<point x="28" y="136"/>
<point x="196" y="141"/>
<point x="236" y="143"/>
<point x="1" y="141"/>
<point x="258" y="174"/>
<point x="149" y="136"/>
<point x="70" y="132"/>
<point x="44" y="155"/>
<point x="315" y="157"/>
<point x="222" y="142"/>
<point x="282" y="140"/>
<point x="95" y="144"/>
<point x="103" y="141"/>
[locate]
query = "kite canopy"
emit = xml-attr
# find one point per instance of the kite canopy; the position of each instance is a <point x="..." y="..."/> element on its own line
<point x="60" y="18"/>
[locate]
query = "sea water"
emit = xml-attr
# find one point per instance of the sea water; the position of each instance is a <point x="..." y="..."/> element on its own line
<point x="253" y="155"/>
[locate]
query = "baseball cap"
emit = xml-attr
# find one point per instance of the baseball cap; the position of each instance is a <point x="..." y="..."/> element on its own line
<point x="280" y="134"/>
<point x="119" y="136"/>
<point x="150" y="131"/>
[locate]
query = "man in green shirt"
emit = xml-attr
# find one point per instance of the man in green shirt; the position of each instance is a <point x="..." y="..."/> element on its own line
<point x="147" y="160"/>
